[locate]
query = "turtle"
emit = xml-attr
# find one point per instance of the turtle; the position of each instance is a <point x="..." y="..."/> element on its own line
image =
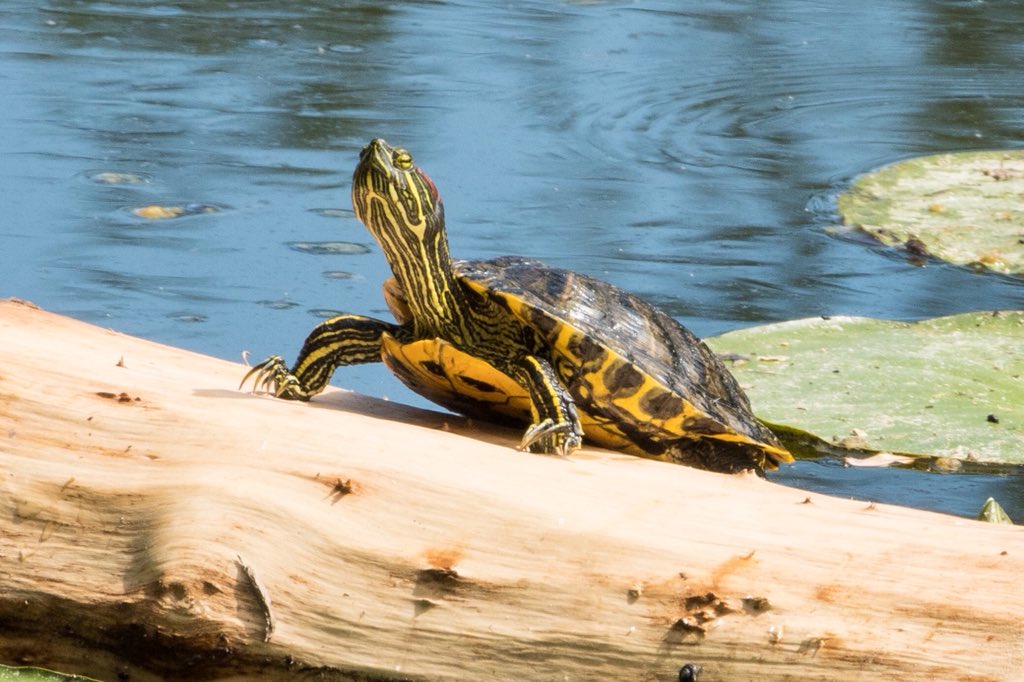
<point x="513" y="340"/>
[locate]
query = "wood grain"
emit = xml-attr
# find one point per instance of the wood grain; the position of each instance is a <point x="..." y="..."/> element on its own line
<point x="157" y="523"/>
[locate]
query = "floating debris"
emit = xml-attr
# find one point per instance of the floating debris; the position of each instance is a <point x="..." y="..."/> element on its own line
<point x="118" y="178"/>
<point x="946" y="465"/>
<point x="329" y="248"/>
<point x="264" y="43"/>
<point x="325" y="313"/>
<point x="333" y="212"/>
<point x="340" y="274"/>
<point x="344" y="48"/>
<point x="279" y="304"/>
<point x="157" y="212"/>
<point x="882" y="459"/>
<point x="191" y="318"/>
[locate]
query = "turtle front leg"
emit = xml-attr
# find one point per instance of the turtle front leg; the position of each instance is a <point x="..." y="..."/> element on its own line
<point x="341" y="340"/>
<point x="556" y="425"/>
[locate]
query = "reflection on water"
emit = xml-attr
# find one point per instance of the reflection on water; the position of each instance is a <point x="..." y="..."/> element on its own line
<point x="685" y="151"/>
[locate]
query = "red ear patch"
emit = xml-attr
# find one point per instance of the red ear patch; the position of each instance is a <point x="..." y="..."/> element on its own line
<point x="430" y="184"/>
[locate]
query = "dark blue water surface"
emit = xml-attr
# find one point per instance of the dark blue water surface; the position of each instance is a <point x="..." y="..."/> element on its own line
<point x="687" y="151"/>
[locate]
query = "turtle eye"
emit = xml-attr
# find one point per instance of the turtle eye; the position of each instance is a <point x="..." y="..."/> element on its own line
<point x="402" y="159"/>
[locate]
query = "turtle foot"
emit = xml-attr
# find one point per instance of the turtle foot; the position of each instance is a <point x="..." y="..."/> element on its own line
<point x="551" y="438"/>
<point x="272" y="376"/>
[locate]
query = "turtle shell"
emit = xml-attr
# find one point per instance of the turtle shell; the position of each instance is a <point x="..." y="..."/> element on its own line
<point x="641" y="382"/>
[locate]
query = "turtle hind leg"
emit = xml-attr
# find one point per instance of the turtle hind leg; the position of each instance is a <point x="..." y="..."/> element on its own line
<point x="555" y="428"/>
<point x="717" y="455"/>
<point x="339" y="341"/>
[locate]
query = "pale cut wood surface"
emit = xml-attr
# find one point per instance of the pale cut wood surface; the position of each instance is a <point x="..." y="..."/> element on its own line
<point x="145" y="504"/>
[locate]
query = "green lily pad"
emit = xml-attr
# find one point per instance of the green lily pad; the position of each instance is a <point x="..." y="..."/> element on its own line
<point x="965" y="208"/>
<point x="951" y="387"/>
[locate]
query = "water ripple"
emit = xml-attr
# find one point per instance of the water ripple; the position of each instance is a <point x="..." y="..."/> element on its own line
<point x="689" y="152"/>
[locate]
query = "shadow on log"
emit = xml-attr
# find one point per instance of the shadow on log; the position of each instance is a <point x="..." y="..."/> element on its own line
<point x="156" y="523"/>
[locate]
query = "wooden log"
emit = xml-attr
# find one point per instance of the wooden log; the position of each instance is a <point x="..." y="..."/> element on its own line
<point x="155" y="522"/>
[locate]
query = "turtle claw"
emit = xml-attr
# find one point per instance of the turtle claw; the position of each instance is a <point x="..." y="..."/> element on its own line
<point x="550" y="437"/>
<point x="272" y="376"/>
<point x="535" y="433"/>
<point x="262" y="371"/>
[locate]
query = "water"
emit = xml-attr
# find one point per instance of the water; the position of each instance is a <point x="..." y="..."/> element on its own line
<point x="689" y="152"/>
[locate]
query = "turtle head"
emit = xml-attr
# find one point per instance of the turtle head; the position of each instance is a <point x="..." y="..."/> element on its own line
<point x="396" y="201"/>
<point x="400" y="206"/>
